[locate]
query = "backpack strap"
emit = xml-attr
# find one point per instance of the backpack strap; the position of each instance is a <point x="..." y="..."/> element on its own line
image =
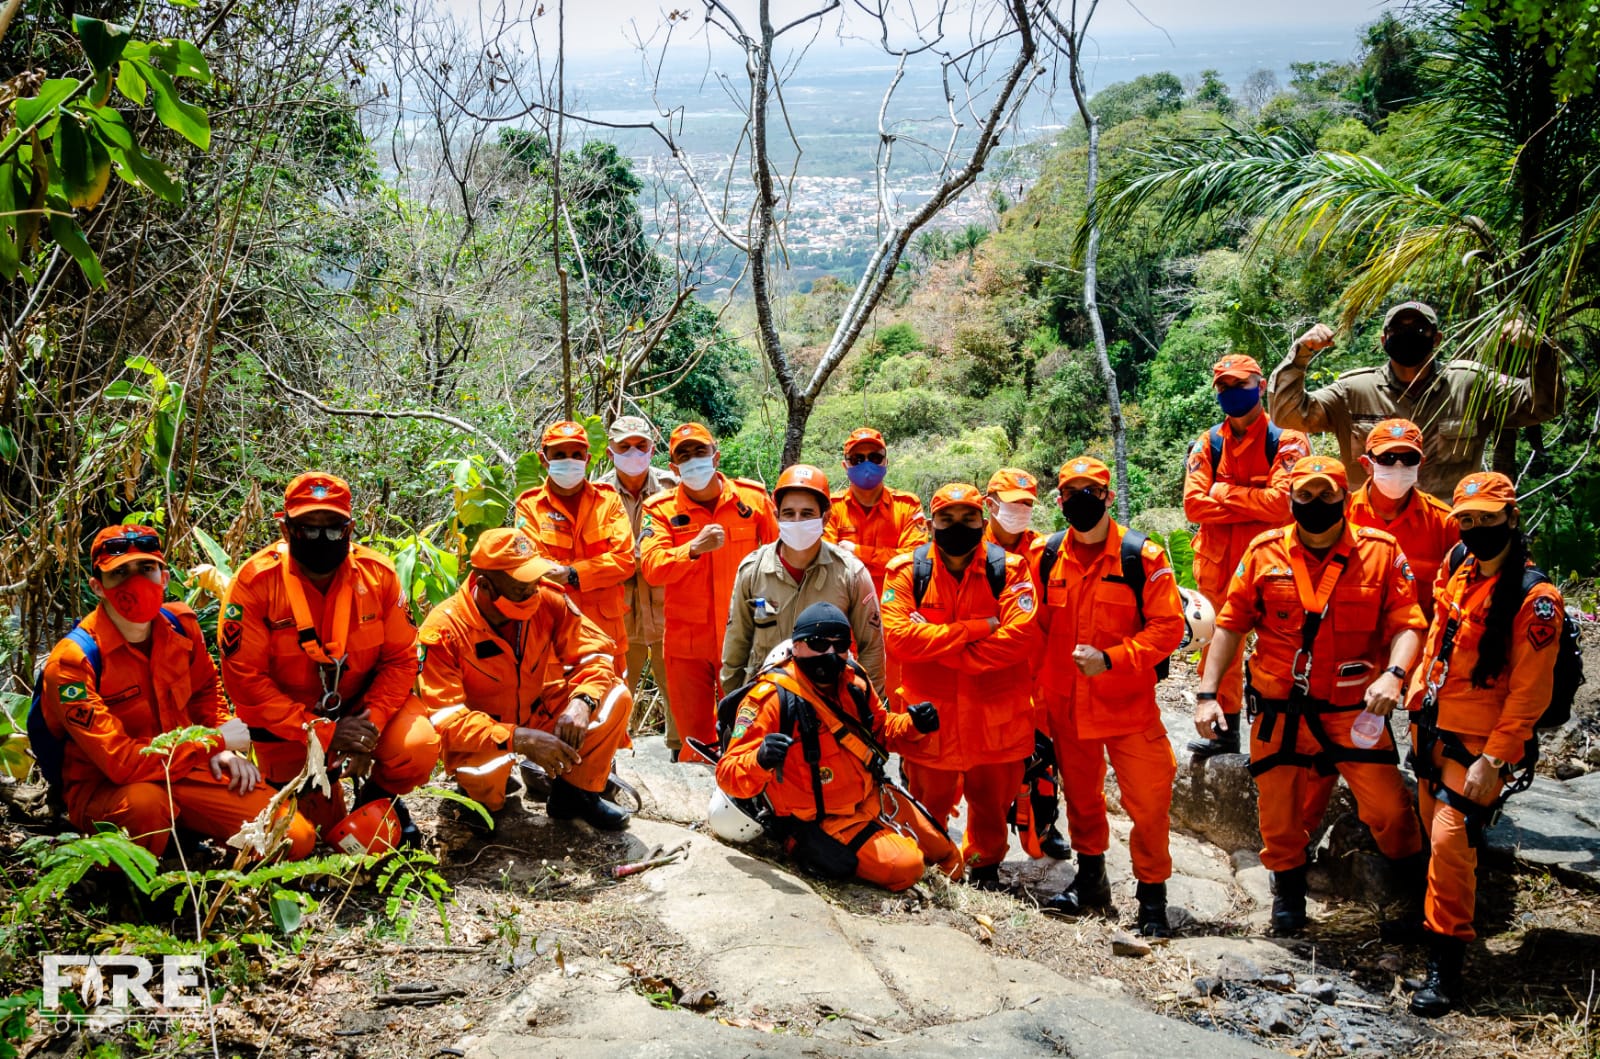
<point x="1274" y="435"/>
<point x="1274" y="438"/>
<point x="795" y="714"/>
<point x="1215" y="446"/>
<point x="1133" y="543"/>
<point x="995" y="569"/>
<point x="1458" y="555"/>
<point x="921" y="571"/>
<point x="1047" y="563"/>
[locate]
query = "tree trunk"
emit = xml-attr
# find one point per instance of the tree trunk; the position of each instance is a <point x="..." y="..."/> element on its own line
<point x="794" y="430"/>
<point x="1091" y="306"/>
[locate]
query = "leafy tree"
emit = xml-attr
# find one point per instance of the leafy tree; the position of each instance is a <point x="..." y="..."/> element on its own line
<point x="1146" y="96"/>
<point x="1213" y="92"/>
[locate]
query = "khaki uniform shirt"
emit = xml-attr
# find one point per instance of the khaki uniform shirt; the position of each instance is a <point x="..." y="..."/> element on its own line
<point x="644" y="623"/>
<point x="834" y="576"/>
<point x="1459" y="405"/>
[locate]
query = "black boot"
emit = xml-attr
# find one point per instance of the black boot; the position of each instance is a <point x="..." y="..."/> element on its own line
<point x="1153" y="910"/>
<point x="1411" y="877"/>
<point x="1289" y="901"/>
<point x="1222" y="743"/>
<point x="1088" y="891"/>
<point x="567" y="802"/>
<point x="1441" y="991"/>
<point x="410" y="835"/>
<point x="985" y="877"/>
<point x="1054" y="845"/>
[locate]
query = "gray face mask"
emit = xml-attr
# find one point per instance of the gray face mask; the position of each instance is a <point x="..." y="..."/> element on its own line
<point x="822" y="670"/>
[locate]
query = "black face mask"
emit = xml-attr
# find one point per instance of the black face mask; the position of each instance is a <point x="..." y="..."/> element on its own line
<point x="822" y="670"/>
<point x="1083" y="510"/>
<point x="1317" y="516"/>
<point x="1409" y="348"/>
<point x="957" y="539"/>
<point x="1486" y="542"/>
<point x="319" y="556"/>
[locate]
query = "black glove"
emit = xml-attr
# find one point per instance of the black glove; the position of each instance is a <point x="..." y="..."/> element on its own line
<point x="774" y="748"/>
<point x="924" y="717"/>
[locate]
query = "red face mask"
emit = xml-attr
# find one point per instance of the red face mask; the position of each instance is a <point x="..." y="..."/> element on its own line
<point x="138" y="599"/>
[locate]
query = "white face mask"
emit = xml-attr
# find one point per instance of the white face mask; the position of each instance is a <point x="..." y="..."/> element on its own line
<point x="631" y="462"/>
<point x="567" y="473"/>
<point x="800" y="535"/>
<point x="697" y="473"/>
<point x="1014" y="518"/>
<point x="1394" y="482"/>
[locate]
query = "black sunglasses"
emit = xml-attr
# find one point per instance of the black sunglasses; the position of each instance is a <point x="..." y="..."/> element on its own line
<point x="824" y="644"/>
<point x="1408" y="458"/>
<point x="328" y="533"/>
<point x="1096" y="491"/>
<point x="137" y="542"/>
<point x="856" y="459"/>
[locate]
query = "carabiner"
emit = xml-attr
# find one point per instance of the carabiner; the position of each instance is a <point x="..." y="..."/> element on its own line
<point x="1300" y="671"/>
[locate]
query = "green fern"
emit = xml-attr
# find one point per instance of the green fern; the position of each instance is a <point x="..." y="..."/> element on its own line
<point x="65" y="859"/>
<point x="408" y="875"/>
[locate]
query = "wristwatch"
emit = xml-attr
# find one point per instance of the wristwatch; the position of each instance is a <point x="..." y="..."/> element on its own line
<point x="587" y="700"/>
<point x="1494" y="762"/>
<point x="572" y="576"/>
<point x="1105" y="656"/>
<point x="1400" y="674"/>
<point x="1205" y="696"/>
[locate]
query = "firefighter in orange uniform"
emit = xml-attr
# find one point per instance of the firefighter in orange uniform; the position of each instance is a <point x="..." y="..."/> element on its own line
<point x="511" y="668"/>
<point x="960" y="615"/>
<point x="316" y="631"/>
<point x="1236" y="486"/>
<point x="1334" y="610"/>
<point x="1390" y="500"/>
<point x="583" y="526"/>
<point x="840" y="817"/>
<point x="1487" y="673"/>
<point x="154" y="675"/>
<point x="692" y="539"/>
<point x="1008" y="501"/>
<point x="1103" y="640"/>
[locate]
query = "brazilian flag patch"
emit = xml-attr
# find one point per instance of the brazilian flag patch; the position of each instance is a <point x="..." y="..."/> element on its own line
<point x="233" y="612"/>
<point x="888" y="595"/>
<point x="74" y="692"/>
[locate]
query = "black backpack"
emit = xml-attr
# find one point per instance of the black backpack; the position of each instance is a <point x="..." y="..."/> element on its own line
<point x="994" y="568"/>
<point x="1133" y="543"/>
<point x="1569" y="650"/>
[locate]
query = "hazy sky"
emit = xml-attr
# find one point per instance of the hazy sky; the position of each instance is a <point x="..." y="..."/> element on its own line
<point x="596" y="28"/>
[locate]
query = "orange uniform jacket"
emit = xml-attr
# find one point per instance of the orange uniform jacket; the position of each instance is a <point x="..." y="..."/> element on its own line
<point x="597" y="544"/>
<point x="980" y="681"/>
<point x="1245" y="497"/>
<point x="891" y="527"/>
<point x="1082" y="605"/>
<point x="699" y="587"/>
<point x="846" y="783"/>
<point x="480" y="688"/>
<point x="1373" y="601"/>
<point x="1504" y="714"/>
<point x="271" y="681"/>
<point x="1424" y="529"/>
<point x="107" y="723"/>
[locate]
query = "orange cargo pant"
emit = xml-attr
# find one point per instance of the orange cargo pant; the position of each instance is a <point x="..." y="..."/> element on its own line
<point x="1453" y="868"/>
<point x="1230" y="693"/>
<point x="482" y="774"/>
<point x="1145" y="767"/>
<point x="693" y="687"/>
<point x="402" y="760"/>
<point x="989" y="791"/>
<point x="890" y="859"/>
<point x="199" y="802"/>
<point x="1291" y="799"/>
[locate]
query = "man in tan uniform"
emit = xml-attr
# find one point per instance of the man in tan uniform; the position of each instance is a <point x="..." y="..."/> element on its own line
<point x="1460" y="405"/>
<point x="630" y="446"/>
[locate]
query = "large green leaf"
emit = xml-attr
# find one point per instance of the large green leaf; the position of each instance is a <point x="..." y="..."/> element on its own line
<point x="51" y="95"/>
<point x="9" y="449"/>
<point x="142" y="170"/>
<point x="287" y="911"/>
<point x="10" y="252"/>
<point x="70" y="237"/>
<point x="181" y="59"/>
<point x="102" y="41"/>
<point x="130" y="84"/>
<point x="185" y="119"/>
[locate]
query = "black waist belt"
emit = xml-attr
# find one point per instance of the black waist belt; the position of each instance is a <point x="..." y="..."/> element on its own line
<point x="1303" y="709"/>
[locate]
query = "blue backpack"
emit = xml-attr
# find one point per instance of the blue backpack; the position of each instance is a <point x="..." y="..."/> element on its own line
<point x="47" y="747"/>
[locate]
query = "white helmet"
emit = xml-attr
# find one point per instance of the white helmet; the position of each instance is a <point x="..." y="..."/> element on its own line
<point x="1199" y="620"/>
<point x="729" y="822"/>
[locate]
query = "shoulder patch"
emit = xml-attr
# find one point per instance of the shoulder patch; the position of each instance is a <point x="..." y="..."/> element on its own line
<point x="230" y="636"/>
<point x="430" y="635"/>
<point x="76" y="691"/>
<point x="903" y="559"/>
<point x="1152" y="550"/>
<point x="1025" y="600"/>
<point x="1544" y="608"/>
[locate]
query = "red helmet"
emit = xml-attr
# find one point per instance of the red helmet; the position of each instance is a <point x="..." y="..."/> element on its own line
<point x="372" y="828"/>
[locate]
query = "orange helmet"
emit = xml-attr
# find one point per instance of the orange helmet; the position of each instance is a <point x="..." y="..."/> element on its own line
<point x="803" y="476"/>
<point x="372" y="828"/>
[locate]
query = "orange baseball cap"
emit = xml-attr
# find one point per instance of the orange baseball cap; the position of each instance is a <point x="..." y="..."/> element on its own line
<point x="1309" y="469"/>
<point x="1013" y="486"/>
<point x="511" y="550"/>
<point x="1235" y="366"/>
<point x="567" y="430"/>
<point x="803" y="476"/>
<point x="1484" y="491"/>
<point x="956" y="494"/>
<point x="1394" y="434"/>
<point x="863" y="436"/>
<point x="1083" y="467"/>
<point x="689" y="432"/>
<point x="316" y="491"/>
<point x="117" y="546"/>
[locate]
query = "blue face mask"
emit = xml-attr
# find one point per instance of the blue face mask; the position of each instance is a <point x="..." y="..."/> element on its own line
<point x="866" y="475"/>
<point x="1238" y="400"/>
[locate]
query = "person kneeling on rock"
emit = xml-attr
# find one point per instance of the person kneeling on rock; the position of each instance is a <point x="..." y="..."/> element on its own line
<point x="811" y="737"/>
<point x="511" y="668"/>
